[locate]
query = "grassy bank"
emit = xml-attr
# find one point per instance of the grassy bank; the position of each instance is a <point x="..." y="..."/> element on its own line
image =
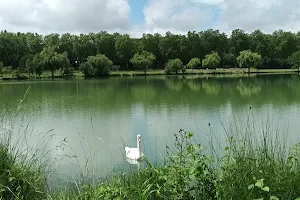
<point x="253" y="164"/>
<point x="231" y="71"/>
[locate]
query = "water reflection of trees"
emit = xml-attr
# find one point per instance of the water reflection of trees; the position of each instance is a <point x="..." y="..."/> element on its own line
<point x="211" y="86"/>
<point x="174" y="83"/>
<point x="143" y="92"/>
<point x="193" y="84"/>
<point x="117" y="94"/>
<point x="248" y="87"/>
<point x="293" y="83"/>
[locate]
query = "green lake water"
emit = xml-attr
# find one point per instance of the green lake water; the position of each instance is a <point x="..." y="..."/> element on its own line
<point x="98" y="117"/>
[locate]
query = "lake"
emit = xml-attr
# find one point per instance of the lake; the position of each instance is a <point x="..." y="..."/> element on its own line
<point x="96" y="118"/>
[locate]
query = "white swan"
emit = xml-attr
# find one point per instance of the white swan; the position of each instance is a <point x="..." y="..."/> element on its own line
<point x="134" y="153"/>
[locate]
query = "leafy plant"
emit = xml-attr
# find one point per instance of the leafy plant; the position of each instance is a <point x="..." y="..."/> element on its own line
<point x="143" y="60"/>
<point x="194" y="63"/>
<point x="174" y="66"/>
<point x="211" y="61"/>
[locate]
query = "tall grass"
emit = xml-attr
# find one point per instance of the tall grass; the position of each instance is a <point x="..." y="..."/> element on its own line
<point x="24" y="168"/>
<point x="256" y="162"/>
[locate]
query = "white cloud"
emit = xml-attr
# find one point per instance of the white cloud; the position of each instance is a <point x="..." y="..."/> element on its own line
<point x="209" y="2"/>
<point x="266" y="15"/>
<point x="64" y="15"/>
<point x="178" y="15"/>
<point x="225" y="15"/>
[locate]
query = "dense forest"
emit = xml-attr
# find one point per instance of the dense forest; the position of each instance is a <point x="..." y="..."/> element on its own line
<point x="33" y="53"/>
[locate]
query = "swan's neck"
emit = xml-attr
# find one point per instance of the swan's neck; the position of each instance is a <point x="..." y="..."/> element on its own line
<point x="138" y="144"/>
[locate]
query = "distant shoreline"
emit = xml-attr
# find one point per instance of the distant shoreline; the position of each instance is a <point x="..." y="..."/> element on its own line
<point x="220" y="71"/>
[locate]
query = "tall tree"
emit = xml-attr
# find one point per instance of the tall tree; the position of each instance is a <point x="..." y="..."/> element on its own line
<point x="294" y="60"/>
<point x="35" y="43"/>
<point x="239" y="41"/>
<point x="194" y="62"/>
<point x="150" y="43"/>
<point x="285" y="44"/>
<point x="195" y="46"/>
<point x="248" y="59"/>
<point x="143" y="60"/>
<point x="212" y="60"/>
<point x="23" y="60"/>
<point x="123" y="47"/>
<point x="52" y="60"/>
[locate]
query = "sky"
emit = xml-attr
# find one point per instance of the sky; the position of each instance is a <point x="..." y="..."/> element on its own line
<point x="136" y="17"/>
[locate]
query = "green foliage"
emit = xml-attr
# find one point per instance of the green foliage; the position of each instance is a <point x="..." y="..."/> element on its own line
<point x="183" y="69"/>
<point x="19" y="180"/>
<point x="35" y="65"/>
<point x="68" y="71"/>
<point x="62" y="61"/>
<point x="174" y="66"/>
<point x="143" y="60"/>
<point x="248" y="59"/>
<point x="51" y="60"/>
<point x="87" y="69"/>
<point x="248" y="169"/>
<point x="194" y="63"/>
<point x="185" y="174"/>
<point x="229" y="59"/>
<point x="23" y="60"/>
<point x="294" y="60"/>
<point x="7" y="70"/>
<point x="258" y="166"/>
<point x="1" y="67"/>
<point x="98" y="65"/>
<point x="101" y="64"/>
<point x="31" y="65"/>
<point x="211" y="61"/>
<point x="124" y="47"/>
<point x="18" y="74"/>
<point x="274" y="48"/>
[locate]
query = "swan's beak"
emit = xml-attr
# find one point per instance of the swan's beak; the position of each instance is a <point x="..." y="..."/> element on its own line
<point x="139" y="139"/>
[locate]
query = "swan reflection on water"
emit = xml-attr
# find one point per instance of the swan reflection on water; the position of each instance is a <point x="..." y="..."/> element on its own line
<point x="133" y="162"/>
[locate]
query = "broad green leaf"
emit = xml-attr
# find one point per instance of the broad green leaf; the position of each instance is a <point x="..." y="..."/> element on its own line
<point x="260" y="183"/>
<point x="250" y="186"/>
<point x="267" y="189"/>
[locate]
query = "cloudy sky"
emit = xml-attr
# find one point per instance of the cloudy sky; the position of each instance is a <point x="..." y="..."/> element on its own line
<point x="148" y="16"/>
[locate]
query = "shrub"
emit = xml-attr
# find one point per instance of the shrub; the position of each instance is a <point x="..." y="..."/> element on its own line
<point x="87" y="69"/>
<point x="194" y="63"/>
<point x="211" y="61"/>
<point x="174" y="66"/>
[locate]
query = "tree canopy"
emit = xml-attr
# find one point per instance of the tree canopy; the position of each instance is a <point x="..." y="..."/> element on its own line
<point x="143" y="60"/>
<point x="211" y="60"/>
<point x="174" y="66"/>
<point x="248" y="59"/>
<point x="275" y="49"/>
<point x="98" y="65"/>
<point x="194" y="62"/>
<point x="294" y="60"/>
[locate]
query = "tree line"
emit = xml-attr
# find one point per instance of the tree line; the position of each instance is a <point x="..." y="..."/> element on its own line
<point x="98" y="53"/>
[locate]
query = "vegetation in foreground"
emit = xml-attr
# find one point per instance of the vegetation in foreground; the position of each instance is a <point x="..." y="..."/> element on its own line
<point x="252" y="166"/>
<point x="96" y="54"/>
